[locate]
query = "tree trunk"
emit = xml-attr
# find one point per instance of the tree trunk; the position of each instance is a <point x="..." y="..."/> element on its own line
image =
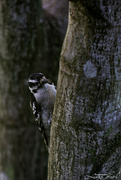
<point x="86" y="128"/>
<point x="22" y="51"/>
<point x="30" y="41"/>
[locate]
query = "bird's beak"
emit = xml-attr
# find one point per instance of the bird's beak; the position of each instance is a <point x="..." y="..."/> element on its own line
<point x="44" y="80"/>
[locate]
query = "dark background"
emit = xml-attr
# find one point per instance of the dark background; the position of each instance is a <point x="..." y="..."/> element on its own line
<point x="31" y="37"/>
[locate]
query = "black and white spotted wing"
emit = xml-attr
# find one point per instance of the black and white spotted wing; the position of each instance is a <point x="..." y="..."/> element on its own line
<point x="37" y="114"/>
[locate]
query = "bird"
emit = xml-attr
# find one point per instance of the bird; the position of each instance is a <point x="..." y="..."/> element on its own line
<point x="43" y="94"/>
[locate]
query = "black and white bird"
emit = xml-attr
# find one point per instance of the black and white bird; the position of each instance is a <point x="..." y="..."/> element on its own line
<point x="43" y="95"/>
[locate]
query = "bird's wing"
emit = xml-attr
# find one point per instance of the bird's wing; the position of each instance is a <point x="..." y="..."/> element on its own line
<point x="35" y="108"/>
<point x="38" y="119"/>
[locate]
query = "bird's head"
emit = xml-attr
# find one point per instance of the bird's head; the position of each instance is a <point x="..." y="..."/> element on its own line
<point x="36" y="81"/>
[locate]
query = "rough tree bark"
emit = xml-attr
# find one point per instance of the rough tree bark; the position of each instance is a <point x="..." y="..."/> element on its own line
<point x="86" y="127"/>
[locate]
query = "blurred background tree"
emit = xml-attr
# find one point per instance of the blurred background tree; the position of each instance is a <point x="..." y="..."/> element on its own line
<point x="31" y="36"/>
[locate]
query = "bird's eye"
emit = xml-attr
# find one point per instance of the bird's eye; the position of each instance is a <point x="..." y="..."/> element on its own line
<point x="31" y="84"/>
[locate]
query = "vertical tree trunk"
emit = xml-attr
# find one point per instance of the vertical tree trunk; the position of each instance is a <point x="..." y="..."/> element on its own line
<point x="22" y="52"/>
<point x="86" y="127"/>
<point x="29" y="42"/>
